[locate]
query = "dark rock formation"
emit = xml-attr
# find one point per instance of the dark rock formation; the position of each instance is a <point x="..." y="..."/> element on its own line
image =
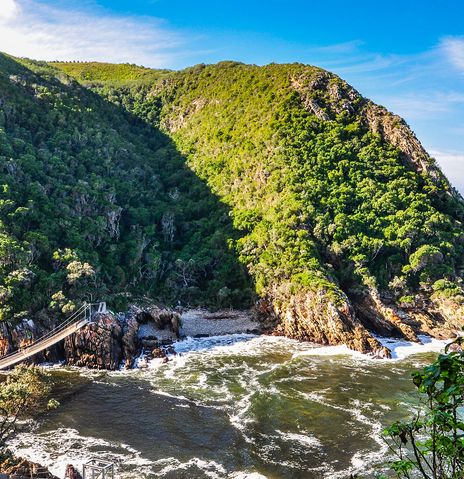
<point x="161" y="318"/>
<point x="97" y="345"/>
<point x="106" y="343"/>
<point x="72" y="473"/>
<point x="130" y="341"/>
<point x="317" y="317"/>
<point x="24" y="333"/>
<point x="111" y="340"/>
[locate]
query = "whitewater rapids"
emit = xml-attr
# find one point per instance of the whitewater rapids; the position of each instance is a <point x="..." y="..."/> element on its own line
<point x="237" y="406"/>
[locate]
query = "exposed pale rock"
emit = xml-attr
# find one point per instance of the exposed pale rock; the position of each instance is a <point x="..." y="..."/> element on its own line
<point x="321" y="318"/>
<point x="199" y="322"/>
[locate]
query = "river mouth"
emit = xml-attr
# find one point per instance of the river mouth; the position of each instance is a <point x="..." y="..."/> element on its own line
<point x="233" y="406"/>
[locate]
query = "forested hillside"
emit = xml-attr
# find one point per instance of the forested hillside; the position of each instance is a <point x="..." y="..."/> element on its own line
<point x="173" y="184"/>
<point x="96" y="204"/>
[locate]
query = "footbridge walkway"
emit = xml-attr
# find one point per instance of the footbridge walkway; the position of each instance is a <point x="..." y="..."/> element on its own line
<point x="76" y="321"/>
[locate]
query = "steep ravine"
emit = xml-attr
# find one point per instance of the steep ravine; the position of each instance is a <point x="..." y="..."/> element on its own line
<point x="279" y="185"/>
<point x="401" y="300"/>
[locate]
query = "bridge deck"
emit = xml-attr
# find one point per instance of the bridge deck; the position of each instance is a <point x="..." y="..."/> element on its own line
<point x="82" y="318"/>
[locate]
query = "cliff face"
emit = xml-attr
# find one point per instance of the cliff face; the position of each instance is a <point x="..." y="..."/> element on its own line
<point x="335" y="97"/>
<point x="313" y="316"/>
<point x="108" y="342"/>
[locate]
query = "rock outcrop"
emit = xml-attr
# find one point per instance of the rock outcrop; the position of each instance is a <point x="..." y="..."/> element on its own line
<point x="24" y="333"/>
<point x="23" y="469"/>
<point x="97" y="345"/>
<point x="114" y="340"/>
<point x="72" y="473"/>
<point x="321" y="318"/>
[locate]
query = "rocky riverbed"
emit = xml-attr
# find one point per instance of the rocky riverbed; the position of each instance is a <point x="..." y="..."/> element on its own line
<point x="113" y="341"/>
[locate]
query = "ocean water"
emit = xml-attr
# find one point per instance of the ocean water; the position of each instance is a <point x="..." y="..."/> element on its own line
<point x="239" y="406"/>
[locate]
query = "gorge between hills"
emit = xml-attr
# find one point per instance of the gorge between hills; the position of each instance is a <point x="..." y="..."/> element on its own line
<point x="277" y="252"/>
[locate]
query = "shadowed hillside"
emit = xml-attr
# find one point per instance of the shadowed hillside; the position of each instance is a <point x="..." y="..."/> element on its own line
<point x="342" y="219"/>
<point x="96" y="203"/>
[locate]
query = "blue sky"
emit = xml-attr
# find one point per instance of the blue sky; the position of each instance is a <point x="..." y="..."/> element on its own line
<point x="406" y="55"/>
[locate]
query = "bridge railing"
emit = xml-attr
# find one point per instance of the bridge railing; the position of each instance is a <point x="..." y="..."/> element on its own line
<point x="98" y="469"/>
<point x="83" y="314"/>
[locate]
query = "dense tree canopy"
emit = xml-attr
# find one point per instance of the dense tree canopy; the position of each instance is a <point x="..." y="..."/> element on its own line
<point x="95" y="203"/>
<point x="175" y="185"/>
<point x="319" y="198"/>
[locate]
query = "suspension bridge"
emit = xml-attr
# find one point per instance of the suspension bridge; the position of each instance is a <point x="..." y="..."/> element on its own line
<point x="76" y="321"/>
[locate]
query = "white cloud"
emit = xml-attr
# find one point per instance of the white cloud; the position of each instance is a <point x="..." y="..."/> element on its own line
<point x="426" y="104"/>
<point x="452" y="164"/>
<point x="454" y="50"/>
<point x="31" y="28"/>
<point x="8" y="9"/>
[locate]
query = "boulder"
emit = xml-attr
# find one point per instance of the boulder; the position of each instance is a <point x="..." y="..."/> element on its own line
<point x="97" y="345"/>
<point x="71" y="472"/>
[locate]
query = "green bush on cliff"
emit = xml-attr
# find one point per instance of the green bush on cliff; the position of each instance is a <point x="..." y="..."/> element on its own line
<point x="447" y="289"/>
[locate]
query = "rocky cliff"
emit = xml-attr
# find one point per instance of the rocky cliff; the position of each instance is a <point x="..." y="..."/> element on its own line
<point x="16" y="468"/>
<point x="108" y="342"/>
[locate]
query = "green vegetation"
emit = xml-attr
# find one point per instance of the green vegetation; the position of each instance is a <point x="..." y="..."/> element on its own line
<point x="23" y="393"/>
<point x="448" y="289"/>
<point x="177" y="185"/>
<point x="319" y="204"/>
<point x="88" y="72"/>
<point x="95" y="203"/>
<point x="431" y="444"/>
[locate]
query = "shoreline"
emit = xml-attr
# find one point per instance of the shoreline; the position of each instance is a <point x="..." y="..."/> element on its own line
<point x="212" y="349"/>
<point x="131" y="340"/>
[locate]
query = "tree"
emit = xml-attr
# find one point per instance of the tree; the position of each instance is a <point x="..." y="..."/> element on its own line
<point x="431" y="444"/>
<point x="23" y="393"/>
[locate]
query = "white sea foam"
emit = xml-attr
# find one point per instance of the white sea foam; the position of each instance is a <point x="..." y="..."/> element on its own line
<point x="306" y="440"/>
<point x="74" y="449"/>
<point x="402" y="349"/>
<point x="211" y="469"/>
<point x="212" y="343"/>
<point x="229" y="373"/>
<point x="247" y="475"/>
<point x="77" y="450"/>
<point x="340" y="350"/>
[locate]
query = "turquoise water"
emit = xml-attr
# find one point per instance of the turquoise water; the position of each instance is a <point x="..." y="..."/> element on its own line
<point x="232" y="407"/>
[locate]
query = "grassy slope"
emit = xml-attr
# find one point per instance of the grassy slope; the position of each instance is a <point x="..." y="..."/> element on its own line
<point x="102" y="72"/>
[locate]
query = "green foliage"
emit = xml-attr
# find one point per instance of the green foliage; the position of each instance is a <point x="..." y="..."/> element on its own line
<point x="318" y="203"/>
<point x="431" y="444"/>
<point x="96" y="204"/>
<point x="406" y="299"/>
<point x="177" y="185"/>
<point x="447" y="289"/>
<point x="108" y="72"/>
<point x="23" y="392"/>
